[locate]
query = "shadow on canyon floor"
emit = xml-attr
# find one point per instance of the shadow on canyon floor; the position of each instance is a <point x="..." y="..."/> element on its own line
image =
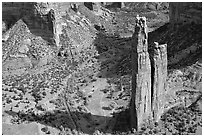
<point x="179" y="42"/>
<point x="60" y="120"/>
<point x="115" y="52"/>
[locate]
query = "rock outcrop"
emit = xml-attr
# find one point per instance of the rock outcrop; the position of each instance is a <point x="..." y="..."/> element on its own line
<point x="23" y="50"/>
<point x="66" y="27"/>
<point x="141" y="75"/>
<point x="185" y="12"/>
<point x="149" y="84"/>
<point x="159" y="78"/>
<point x="37" y="20"/>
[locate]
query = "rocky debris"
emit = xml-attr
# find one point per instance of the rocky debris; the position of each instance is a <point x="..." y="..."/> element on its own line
<point x="97" y="95"/>
<point x="184" y="86"/>
<point x="141" y="75"/>
<point x="159" y="79"/>
<point x="24" y="48"/>
<point x="27" y="49"/>
<point x="5" y="35"/>
<point x="29" y="97"/>
<point x="185" y="12"/>
<point x="44" y="78"/>
<point x="4" y="27"/>
<point x="34" y="16"/>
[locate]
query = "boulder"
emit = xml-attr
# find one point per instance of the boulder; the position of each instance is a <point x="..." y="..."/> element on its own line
<point x="24" y="48"/>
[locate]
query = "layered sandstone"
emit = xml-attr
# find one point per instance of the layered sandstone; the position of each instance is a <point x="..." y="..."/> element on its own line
<point x="22" y="50"/>
<point x="141" y="75"/>
<point x="39" y="24"/>
<point x="149" y="84"/>
<point x="159" y="78"/>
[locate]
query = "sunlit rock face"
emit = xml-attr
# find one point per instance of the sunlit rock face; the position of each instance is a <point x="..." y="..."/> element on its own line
<point x="141" y="74"/>
<point x="149" y="76"/>
<point x="22" y="50"/>
<point x="159" y="78"/>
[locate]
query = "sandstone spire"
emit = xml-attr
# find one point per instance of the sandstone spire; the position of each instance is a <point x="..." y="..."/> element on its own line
<point x="141" y="75"/>
<point x="159" y="76"/>
<point x="149" y="84"/>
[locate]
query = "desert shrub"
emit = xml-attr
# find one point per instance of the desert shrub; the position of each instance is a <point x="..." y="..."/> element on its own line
<point x="177" y="121"/>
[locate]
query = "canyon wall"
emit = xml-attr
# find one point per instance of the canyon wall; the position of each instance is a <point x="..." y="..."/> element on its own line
<point x="185" y="12"/>
<point x="41" y="18"/>
<point x="38" y="23"/>
<point x="67" y="28"/>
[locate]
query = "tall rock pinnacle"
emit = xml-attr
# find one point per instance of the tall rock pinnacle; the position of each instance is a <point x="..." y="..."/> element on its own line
<point x="141" y="75"/>
<point x="148" y="77"/>
<point x="159" y="76"/>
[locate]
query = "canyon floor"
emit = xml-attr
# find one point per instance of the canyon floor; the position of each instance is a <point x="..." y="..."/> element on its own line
<point x="34" y="100"/>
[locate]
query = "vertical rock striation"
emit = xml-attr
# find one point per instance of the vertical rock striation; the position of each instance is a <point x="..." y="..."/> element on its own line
<point x="159" y="77"/>
<point x="148" y="77"/>
<point x="141" y="75"/>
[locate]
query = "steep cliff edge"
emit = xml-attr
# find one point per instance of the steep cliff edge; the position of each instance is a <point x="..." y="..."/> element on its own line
<point x="149" y="77"/>
<point x="74" y="54"/>
<point x="182" y="34"/>
<point x="141" y="75"/>
<point x="159" y="86"/>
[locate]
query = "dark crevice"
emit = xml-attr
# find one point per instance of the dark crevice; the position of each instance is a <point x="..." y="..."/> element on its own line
<point x="152" y="82"/>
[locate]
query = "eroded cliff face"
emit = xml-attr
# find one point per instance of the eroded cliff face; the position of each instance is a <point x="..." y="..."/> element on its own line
<point x="141" y="74"/>
<point x="36" y="16"/>
<point x="159" y="79"/>
<point x="183" y="33"/>
<point x="185" y="12"/>
<point x="66" y="27"/>
<point x="42" y="42"/>
<point x="43" y="19"/>
<point x="150" y="100"/>
<point x="149" y="77"/>
<point x="22" y="50"/>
